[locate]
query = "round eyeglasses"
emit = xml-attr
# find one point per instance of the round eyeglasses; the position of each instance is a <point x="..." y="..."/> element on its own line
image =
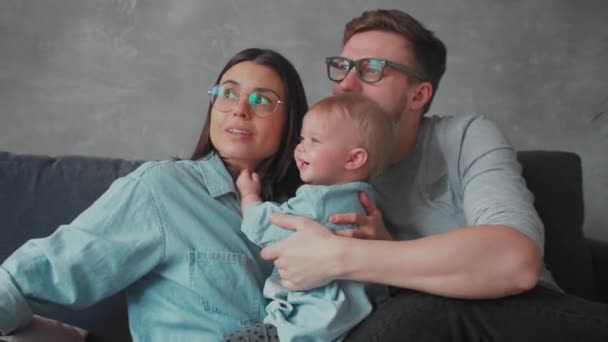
<point x="369" y="70"/>
<point x="262" y="102"/>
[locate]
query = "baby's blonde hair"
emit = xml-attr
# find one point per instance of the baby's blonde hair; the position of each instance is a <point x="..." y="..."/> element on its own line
<point x="374" y="127"/>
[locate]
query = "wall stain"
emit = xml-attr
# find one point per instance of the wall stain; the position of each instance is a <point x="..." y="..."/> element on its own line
<point x="600" y="113"/>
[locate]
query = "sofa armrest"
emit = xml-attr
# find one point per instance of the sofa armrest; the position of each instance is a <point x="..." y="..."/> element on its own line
<point x="599" y="254"/>
<point x="555" y="178"/>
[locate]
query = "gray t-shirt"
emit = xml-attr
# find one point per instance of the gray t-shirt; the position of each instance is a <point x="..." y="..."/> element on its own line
<point x="462" y="172"/>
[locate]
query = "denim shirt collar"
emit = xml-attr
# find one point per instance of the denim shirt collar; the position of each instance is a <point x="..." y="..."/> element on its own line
<point x="216" y="177"/>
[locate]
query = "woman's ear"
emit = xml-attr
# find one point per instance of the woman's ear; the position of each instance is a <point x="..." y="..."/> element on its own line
<point x="357" y="157"/>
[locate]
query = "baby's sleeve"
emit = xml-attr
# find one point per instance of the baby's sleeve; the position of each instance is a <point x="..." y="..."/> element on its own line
<point x="256" y="217"/>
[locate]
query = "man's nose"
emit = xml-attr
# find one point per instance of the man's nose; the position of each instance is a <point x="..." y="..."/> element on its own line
<point x="350" y="83"/>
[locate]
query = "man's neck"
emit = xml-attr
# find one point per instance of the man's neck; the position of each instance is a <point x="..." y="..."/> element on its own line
<point x="407" y="137"/>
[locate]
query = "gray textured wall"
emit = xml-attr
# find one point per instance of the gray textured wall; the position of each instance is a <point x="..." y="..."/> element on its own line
<point x="128" y="78"/>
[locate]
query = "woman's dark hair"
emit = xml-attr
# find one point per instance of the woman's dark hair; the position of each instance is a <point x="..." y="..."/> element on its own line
<point x="280" y="172"/>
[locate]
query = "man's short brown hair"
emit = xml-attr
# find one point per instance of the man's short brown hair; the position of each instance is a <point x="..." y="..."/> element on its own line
<point x="429" y="51"/>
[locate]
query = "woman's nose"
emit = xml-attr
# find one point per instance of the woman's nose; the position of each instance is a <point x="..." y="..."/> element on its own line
<point x="242" y="108"/>
<point x="300" y="147"/>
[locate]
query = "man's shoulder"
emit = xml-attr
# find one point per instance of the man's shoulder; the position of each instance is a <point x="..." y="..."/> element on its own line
<point x="451" y="131"/>
<point x="451" y="123"/>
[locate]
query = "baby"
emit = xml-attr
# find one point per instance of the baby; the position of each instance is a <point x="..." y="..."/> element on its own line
<point x="346" y="139"/>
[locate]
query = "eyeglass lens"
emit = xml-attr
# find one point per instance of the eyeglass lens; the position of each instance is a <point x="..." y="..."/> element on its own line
<point x="368" y="69"/>
<point x="225" y="97"/>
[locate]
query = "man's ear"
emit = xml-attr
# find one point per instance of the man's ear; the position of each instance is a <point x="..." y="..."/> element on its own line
<point x="422" y="95"/>
<point x="357" y="157"/>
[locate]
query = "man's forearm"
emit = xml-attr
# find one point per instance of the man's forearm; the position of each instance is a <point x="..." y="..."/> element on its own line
<point x="471" y="262"/>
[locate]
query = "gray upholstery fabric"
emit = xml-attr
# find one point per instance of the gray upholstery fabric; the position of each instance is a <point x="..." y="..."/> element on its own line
<point x="38" y="193"/>
<point x="555" y="179"/>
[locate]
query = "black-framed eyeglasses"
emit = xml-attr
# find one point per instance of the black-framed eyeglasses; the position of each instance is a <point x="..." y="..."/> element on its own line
<point x="369" y="70"/>
<point x="262" y="102"/>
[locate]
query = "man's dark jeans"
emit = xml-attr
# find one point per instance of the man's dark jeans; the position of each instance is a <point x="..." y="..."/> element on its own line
<point x="537" y="315"/>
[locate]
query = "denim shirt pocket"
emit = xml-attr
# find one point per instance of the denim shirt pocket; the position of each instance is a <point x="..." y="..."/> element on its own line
<point x="226" y="285"/>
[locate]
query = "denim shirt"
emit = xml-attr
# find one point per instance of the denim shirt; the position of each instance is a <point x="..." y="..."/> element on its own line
<point x="169" y="233"/>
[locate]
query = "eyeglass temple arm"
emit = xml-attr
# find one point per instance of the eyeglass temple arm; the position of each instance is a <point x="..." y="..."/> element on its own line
<point x="407" y="70"/>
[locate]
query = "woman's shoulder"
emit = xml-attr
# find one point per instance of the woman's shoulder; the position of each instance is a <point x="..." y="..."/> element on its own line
<point x="152" y="169"/>
<point x="207" y="172"/>
<point x="153" y="172"/>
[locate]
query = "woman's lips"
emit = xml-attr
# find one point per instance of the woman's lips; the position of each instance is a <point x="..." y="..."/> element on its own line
<point x="238" y="133"/>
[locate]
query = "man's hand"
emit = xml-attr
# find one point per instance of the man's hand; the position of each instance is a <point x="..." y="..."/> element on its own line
<point x="370" y="227"/>
<point x="309" y="258"/>
<point x="249" y="186"/>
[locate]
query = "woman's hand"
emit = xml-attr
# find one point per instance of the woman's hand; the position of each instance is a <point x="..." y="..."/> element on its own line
<point x="370" y="227"/>
<point x="307" y="259"/>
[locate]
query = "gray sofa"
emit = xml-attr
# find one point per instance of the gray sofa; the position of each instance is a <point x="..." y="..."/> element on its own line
<point x="38" y="193"/>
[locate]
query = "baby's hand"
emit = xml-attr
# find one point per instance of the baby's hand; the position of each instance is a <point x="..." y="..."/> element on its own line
<point x="249" y="185"/>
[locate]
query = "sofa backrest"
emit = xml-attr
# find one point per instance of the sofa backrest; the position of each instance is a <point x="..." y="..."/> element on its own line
<point x="38" y="193"/>
<point x="555" y="179"/>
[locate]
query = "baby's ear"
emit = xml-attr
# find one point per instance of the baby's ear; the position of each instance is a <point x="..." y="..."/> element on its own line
<point x="357" y="157"/>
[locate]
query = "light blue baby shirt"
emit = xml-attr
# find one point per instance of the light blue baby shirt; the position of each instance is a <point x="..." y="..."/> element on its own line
<point x="323" y="314"/>
<point x="169" y="233"/>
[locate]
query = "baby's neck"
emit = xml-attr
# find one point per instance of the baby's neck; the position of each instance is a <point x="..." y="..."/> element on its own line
<point x="348" y="178"/>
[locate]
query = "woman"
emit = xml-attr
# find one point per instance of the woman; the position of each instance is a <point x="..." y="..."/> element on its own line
<point x="169" y="232"/>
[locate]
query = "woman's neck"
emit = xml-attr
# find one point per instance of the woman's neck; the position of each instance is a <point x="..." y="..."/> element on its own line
<point x="234" y="171"/>
<point x="235" y="167"/>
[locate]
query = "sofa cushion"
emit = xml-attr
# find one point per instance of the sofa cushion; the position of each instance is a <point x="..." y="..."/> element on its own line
<point x="37" y="194"/>
<point x="556" y="181"/>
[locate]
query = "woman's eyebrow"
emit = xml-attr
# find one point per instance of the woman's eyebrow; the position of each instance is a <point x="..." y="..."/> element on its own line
<point x="231" y="82"/>
<point x="266" y="90"/>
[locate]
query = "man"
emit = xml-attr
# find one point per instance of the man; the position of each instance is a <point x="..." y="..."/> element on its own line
<point x="462" y="239"/>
